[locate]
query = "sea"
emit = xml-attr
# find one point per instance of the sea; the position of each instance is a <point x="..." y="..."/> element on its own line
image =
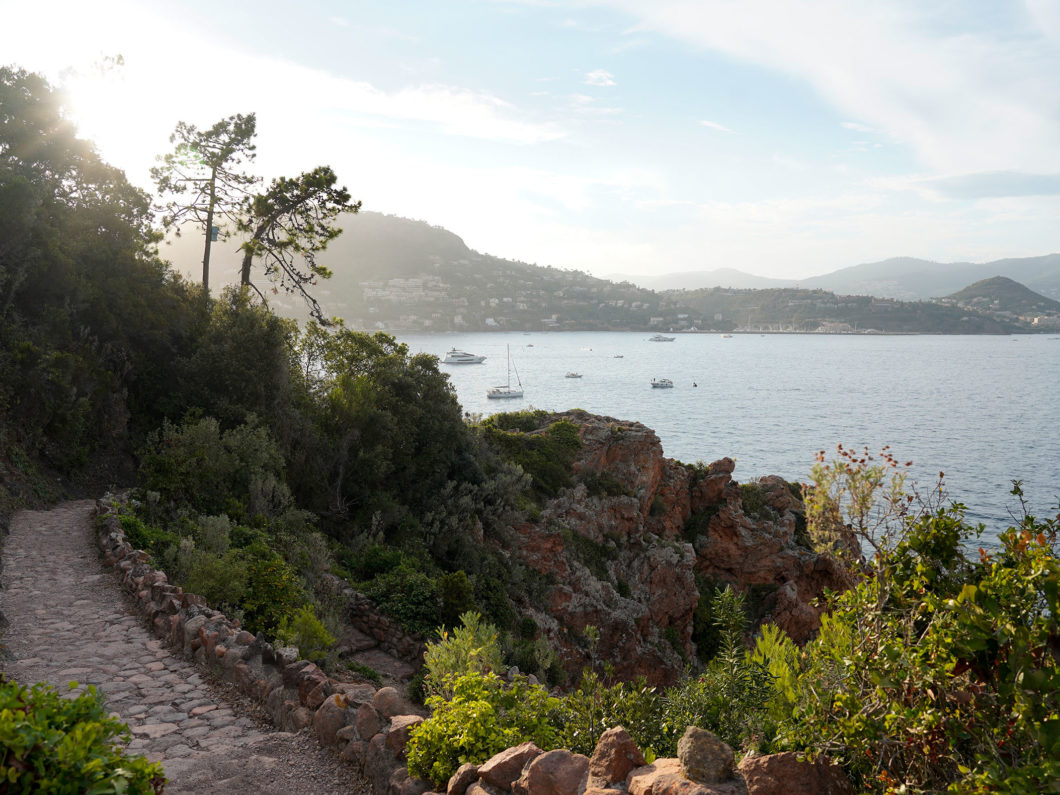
<point x="983" y="410"/>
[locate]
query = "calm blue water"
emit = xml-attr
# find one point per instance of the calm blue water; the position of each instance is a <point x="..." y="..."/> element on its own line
<point x="982" y="409"/>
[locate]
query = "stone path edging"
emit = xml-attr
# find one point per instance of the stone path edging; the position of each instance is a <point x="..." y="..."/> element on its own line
<point x="367" y="727"/>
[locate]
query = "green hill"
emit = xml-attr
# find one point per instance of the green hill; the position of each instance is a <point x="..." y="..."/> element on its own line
<point x="1000" y="294"/>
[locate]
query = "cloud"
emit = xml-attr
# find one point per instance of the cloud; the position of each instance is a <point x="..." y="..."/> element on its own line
<point x="713" y="125"/>
<point x="600" y="77"/>
<point x="964" y="91"/>
<point x="994" y="184"/>
<point x="853" y="125"/>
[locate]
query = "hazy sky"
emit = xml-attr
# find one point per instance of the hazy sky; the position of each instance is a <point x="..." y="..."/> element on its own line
<point x="782" y="137"/>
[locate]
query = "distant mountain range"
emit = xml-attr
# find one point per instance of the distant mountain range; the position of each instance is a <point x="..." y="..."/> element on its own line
<point x="398" y="274"/>
<point x="903" y="278"/>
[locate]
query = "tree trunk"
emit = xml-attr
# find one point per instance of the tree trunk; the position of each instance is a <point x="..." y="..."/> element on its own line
<point x="209" y="233"/>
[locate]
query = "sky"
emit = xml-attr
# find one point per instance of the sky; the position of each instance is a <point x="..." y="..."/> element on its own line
<point x="784" y="138"/>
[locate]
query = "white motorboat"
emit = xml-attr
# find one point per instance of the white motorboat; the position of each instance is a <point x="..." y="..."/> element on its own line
<point x="462" y="357"/>
<point x="573" y="375"/>
<point x="662" y="383"/>
<point x="507" y="390"/>
<point x="661" y="338"/>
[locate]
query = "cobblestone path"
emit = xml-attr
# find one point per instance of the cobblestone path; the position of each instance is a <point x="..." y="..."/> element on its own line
<point x="70" y="621"/>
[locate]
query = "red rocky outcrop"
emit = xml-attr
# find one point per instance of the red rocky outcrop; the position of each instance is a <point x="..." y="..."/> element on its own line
<point x="624" y="556"/>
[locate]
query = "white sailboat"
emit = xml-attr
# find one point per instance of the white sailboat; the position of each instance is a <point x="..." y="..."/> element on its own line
<point x="507" y="390"/>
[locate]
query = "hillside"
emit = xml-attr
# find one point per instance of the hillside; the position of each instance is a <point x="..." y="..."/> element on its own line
<point x="789" y="309"/>
<point x="902" y="278"/>
<point x="1003" y="296"/>
<point x="397" y="274"/>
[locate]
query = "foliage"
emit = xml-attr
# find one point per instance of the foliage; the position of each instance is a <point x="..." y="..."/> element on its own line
<point x="272" y="594"/>
<point x="753" y="502"/>
<point x="858" y="492"/>
<point x="408" y="596"/>
<point x="729" y="697"/>
<point x="484" y="717"/>
<point x="546" y="456"/>
<point x="51" y="744"/>
<point x="203" y="179"/>
<point x="198" y="466"/>
<point x="937" y="671"/>
<point x="470" y="648"/>
<point x="596" y="707"/>
<point x="304" y="630"/>
<point x="292" y="219"/>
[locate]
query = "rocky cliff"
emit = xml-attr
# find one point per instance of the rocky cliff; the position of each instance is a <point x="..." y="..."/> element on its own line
<point x="631" y="545"/>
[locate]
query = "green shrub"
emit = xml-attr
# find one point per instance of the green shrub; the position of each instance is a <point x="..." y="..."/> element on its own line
<point x="936" y="671"/>
<point x="471" y="647"/>
<point x="51" y="744"/>
<point x="729" y="698"/>
<point x="221" y="581"/>
<point x="304" y="630"/>
<point x="546" y="457"/>
<point x="483" y="718"/>
<point x="272" y="594"/>
<point x="147" y="538"/>
<point x="596" y="707"/>
<point x="408" y="596"/>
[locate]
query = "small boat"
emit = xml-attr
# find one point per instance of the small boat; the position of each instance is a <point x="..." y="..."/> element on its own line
<point x="462" y="357"/>
<point x="573" y="375"/>
<point x="726" y="336"/>
<point x="618" y="356"/>
<point x="507" y="390"/>
<point x="662" y="383"/>
<point x="661" y="338"/>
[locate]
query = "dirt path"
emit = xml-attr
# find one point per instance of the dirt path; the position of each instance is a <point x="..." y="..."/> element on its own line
<point x="69" y="621"/>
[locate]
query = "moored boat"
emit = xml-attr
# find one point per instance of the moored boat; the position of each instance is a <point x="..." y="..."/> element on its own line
<point x="507" y="391"/>
<point x="661" y="338"/>
<point x="662" y="383"/>
<point x="462" y="357"/>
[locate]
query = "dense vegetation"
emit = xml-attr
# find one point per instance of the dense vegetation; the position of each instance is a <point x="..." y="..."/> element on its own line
<point x="938" y="671"/>
<point x="50" y="744"/>
<point x="271" y="458"/>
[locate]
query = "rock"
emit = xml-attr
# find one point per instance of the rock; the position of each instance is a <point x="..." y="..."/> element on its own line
<point x="785" y="774"/>
<point x="401" y="783"/>
<point x="504" y="768"/>
<point x="676" y="784"/>
<point x="330" y="717"/>
<point x="401" y="727"/>
<point x="379" y="763"/>
<point x="367" y="722"/>
<point x="558" y="772"/>
<point x="464" y="777"/>
<point x="616" y="754"/>
<point x="641" y="780"/>
<point x="703" y="757"/>
<point x="355" y="752"/>
<point x="387" y="702"/>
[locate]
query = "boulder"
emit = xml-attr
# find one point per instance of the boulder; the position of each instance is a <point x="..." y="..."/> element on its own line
<point x="502" y="769"/>
<point x="558" y="772"/>
<point x="464" y="777"/>
<point x="387" y="702"/>
<point x="704" y="758"/>
<point x="616" y="754"/>
<point x="329" y="718"/>
<point x="786" y="774"/>
<point x="401" y="727"/>
<point x="367" y="722"/>
<point x="641" y="780"/>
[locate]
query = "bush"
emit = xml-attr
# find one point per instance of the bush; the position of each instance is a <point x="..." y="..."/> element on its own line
<point x="408" y="596"/>
<point x="305" y="630"/>
<point x="937" y="671"/>
<point x="596" y="707"/>
<point x="50" y="744"/>
<point x="470" y="648"/>
<point x="483" y="718"/>
<point x="729" y="698"/>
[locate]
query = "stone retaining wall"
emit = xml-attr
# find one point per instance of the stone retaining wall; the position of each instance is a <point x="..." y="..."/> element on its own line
<point x="362" y="724"/>
<point x="360" y="612"/>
